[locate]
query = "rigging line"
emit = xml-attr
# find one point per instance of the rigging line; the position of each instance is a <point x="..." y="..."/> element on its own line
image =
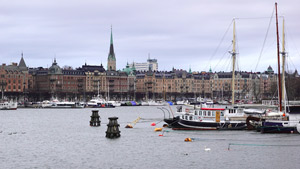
<point x="214" y="53"/>
<point x="259" y="17"/>
<point x="293" y="42"/>
<point x="265" y="40"/>
<point x="222" y="57"/>
<point x="254" y="18"/>
<point x="237" y="51"/>
<point x="229" y="60"/>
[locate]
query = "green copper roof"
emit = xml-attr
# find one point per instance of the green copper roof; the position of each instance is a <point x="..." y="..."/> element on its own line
<point x="111" y="36"/>
<point x="111" y="55"/>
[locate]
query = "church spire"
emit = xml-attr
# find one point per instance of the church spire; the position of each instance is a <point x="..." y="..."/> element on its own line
<point x="111" y="36"/>
<point x="111" y="60"/>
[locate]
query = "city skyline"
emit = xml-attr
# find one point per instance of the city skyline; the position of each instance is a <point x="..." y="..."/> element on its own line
<point x="179" y="35"/>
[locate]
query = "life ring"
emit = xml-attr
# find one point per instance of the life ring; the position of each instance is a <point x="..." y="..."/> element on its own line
<point x="187" y="110"/>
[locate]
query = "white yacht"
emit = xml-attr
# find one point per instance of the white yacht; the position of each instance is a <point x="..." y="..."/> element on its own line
<point x="8" y="105"/>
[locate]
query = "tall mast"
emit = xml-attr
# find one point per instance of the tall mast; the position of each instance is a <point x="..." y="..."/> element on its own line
<point x="283" y="53"/>
<point x="233" y="53"/>
<point x="278" y="58"/>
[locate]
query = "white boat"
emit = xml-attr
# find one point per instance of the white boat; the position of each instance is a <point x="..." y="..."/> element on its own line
<point x="96" y="102"/>
<point x="46" y="104"/>
<point x="67" y="104"/>
<point x="8" y="105"/>
<point x="156" y="103"/>
<point x="114" y="103"/>
<point x="145" y="103"/>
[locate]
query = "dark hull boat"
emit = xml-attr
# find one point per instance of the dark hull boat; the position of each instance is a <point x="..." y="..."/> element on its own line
<point x="208" y="119"/>
<point x="277" y="127"/>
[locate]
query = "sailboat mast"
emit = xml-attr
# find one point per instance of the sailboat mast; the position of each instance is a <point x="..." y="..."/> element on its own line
<point x="278" y="58"/>
<point x="283" y="62"/>
<point x="233" y="63"/>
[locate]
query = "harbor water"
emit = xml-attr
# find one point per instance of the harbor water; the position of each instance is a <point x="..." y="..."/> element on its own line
<point x="63" y="138"/>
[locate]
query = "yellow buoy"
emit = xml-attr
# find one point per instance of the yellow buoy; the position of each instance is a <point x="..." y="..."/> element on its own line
<point x="157" y="129"/>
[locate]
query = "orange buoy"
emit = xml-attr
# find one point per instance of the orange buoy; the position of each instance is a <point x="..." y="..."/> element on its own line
<point x="160" y="135"/>
<point x="153" y="124"/>
<point x="188" y="139"/>
<point x="157" y="129"/>
<point x="128" y="126"/>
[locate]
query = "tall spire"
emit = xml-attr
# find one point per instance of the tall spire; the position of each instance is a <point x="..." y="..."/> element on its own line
<point x="111" y="60"/>
<point x="111" y="36"/>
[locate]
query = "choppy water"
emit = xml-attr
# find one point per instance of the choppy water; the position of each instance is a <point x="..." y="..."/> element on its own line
<point x="52" y="138"/>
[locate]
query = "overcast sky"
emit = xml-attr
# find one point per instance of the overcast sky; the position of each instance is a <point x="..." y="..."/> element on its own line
<point x="179" y="34"/>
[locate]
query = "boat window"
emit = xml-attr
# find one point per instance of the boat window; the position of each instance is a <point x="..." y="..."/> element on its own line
<point x="204" y="113"/>
<point x="222" y="113"/>
<point x="213" y="113"/>
<point x="208" y="113"/>
<point x="196" y="112"/>
<point x="191" y="117"/>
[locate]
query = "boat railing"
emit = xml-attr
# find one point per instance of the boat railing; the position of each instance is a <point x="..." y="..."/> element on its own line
<point x="270" y="102"/>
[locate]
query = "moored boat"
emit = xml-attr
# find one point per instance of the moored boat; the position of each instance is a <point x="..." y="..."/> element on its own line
<point x="8" y="105"/>
<point x="209" y="119"/>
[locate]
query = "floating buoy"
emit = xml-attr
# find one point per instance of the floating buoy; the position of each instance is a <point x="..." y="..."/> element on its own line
<point x="153" y="124"/>
<point x="161" y="135"/>
<point x="157" y="129"/>
<point x="128" y="126"/>
<point x="188" y="139"/>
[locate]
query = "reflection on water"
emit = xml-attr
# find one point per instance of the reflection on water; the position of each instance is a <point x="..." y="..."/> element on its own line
<point x="62" y="138"/>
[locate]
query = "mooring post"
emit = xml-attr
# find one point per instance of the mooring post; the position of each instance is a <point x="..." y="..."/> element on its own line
<point x="113" y="128"/>
<point x="95" y="122"/>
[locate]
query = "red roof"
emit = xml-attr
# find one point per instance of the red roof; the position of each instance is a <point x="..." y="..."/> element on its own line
<point x="212" y="109"/>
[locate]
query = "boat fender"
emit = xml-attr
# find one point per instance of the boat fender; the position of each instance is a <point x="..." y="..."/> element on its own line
<point x="165" y="125"/>
<point x="187" y="110"/>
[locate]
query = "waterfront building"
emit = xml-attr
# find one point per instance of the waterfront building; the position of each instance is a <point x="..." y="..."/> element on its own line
<point x="14" y="79"/>
<point x="55" y="82"/>
<point x="95" y="80"/>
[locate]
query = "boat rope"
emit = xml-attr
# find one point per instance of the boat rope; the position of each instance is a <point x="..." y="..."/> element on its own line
<point x="225" y="53"/>
<point x="135" y="121"/>
<point x="261" y="51"/>
<point x="216" y="50"/>
<point x="276" y="145"/>
<point x="290" y="36"/>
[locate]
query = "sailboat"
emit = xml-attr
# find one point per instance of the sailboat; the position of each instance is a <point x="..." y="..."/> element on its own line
<point x="290" y="122"/>
<point x="212" y="118"/>
<point x="99" y="102"/>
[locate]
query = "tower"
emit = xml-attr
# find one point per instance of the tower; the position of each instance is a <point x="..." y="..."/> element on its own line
<point x="111" y="60"/>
